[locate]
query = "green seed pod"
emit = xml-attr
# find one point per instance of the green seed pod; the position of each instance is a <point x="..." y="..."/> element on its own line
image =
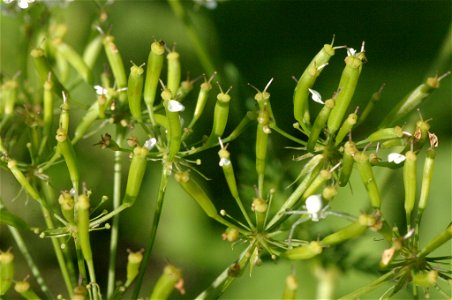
<point x="409" y="182"/>
<point x="412" y="100"/>
<point x="306" y="81"/>
<point x="197" y="193"/>
<point x="426" y="279"/>
<point x="347" y="86"/>
<point x="166" y="283"/>
<point x="20" y="177"/>
<point x="385" y="134"/>
<point x="319" y="124"/>
<point x="290" y="289"/>
<point x="259" y="206"/>
<point x="135" y="90"/>
<point x="174" y="73"/>
<point x="116" y="65"/>
<point x="136" y="173"/>
<point x="44" y="71"/>
<point x="320" y="180"/>
<point x="48" y="107"/>
<point x="349" y="232"/>
<point x="6" y="271"/>
<point x="74" y="59"/>
<point x="228" y="171"/>
<point x="88" y="119"/>
<point x="82" y="206"/>
<point x="202" y="100"/>
<point x="67" y="206"/>
<point x="347" y="162"/>
<point x="92" y="51"/>
<point x="304" y="252"/>
<point x="329" y="192"/>
<point x="263" y="130"/>
<point x="9" y="97"/>
<point x="23" y="288"/>
<point x="370" y="105"/>
<point x="153" y="70"/>
<point x="346" y="128"/>
<point x="172" y="109"/>
<point x="220" y="116"/>
<point x="185" y="88"/>
<point x="437" y="241"/>
<point x="133" y="266"/>
<point x="367" y="176"/>
<point x="427" y="178"/>
<point x="231" y="234"/>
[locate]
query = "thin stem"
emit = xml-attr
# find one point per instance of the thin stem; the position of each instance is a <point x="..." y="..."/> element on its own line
<point x="115" y="222"/>
<point x="58" y="252"/>
<point x="153" y="233"/>
<point x="31" y="264"/>
<point x="370" y="287"/>
<point x="198" y="46"/>
<point x="286" y="135"/>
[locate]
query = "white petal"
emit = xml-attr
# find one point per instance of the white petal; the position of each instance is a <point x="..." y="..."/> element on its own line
<point x="316" y="96"/>
<point x="351" y="52"/>
<point x="314" y="204"/>
<point x="100" y="90"/>
<point x="224" y="162"/>
<point x="396" y="158"/>
<point x="175" y="106"/>
<point x="149" y="144"/>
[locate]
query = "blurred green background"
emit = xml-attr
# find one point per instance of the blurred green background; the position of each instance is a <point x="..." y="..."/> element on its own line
<point x="256" y="41"/>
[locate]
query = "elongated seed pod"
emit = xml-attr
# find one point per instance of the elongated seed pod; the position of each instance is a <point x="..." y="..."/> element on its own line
<point x="153" y="70"/>
<point x="82" y="207"/>
<point x="197" y="193"/>
<point x="92" y="51"/>
<point x="23" y="288"/>
<point x="385" y="134"/>
<point x="174" y="73"/>
<point x="370" y="105"/>
<point x="426" y="279"/>
<point x="135" y="90"/>
<point x="290" y="288"/>
<point x="116" y="65"/>
<point x="317" y="183"/>
<point x="201" y="101"/>
<point x="347" y="162"/>
<point x="75" y="60"/>
<point x="44" y="70"/>
<point x="165" y="284"/>
<point x="48" y="107"/>
<point x="9" y="95"/>
<point x="347" y="86"/>
<point x="319" y="124"/>
<point x="220" y="116"/>
<point x="228" y="171"/>
<point x="412" y="100"/>
<point x="134" y="260"/>
<point x="20" y="177"/>
<point x="346" y="128"/>
<point x="262" y="133"/>
<point x="437" y="241"/>
<point x="6" y="271"/>
<point x="427" y="178"/>
<point x="368" y="178"/>
<point x="304" y="252"/>
<point x="136" y="173"/>
<point x="351" y="231"/>
<point x="88" y="119"/>
<point x="185" y="88"/>
<point x="307" y="80"/>
<point x="174" y="123"/>
<point x="409" y="182"/>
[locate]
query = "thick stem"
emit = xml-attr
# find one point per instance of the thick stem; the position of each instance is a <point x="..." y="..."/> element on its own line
<point x="153" y="233"/>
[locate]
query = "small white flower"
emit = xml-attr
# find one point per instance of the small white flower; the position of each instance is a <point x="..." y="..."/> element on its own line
<point x="396" y="158"/>
<point x="149" y="144"/>
<point x="316" y="97"/>
<point x="100" y="90"/>
<point x="175" y="106"/>
<point x="351" y="52"/>
<point x="224" y="162"/>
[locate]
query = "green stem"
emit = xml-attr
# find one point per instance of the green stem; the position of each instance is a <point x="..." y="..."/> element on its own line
<point x="58" y="252"/>
<point x="370" y="287"/>
<point x="115" y="222"/>
<point x="286" y="135"/>
<point x="153" y="233"/>
<point x="31" y="264"/>
<point x="198" y="46"/>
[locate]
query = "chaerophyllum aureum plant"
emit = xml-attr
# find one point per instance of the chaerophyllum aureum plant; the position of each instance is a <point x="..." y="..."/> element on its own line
<point x="142" y="109"/>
